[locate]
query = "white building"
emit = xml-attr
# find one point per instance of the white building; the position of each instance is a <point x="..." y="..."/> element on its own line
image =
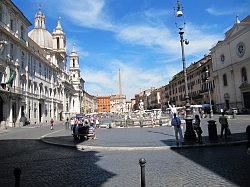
<point x="231" y="66"/>
<point x="33" y="70"/>
<point x="117" y="103"/>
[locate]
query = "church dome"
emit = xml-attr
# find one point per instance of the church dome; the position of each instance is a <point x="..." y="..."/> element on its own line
<point x="42" y="37"/>
<point x="39" y="34"/>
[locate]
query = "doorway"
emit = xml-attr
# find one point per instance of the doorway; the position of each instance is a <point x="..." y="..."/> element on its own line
<point x="246" y="100"/>
<point x="227" y="104"/>
<point x="40" y="112"/>
<point x="14" y="112"/>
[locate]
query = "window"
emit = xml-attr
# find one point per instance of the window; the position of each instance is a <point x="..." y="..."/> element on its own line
<point x="23" y="60"/>
<point x="45" y="73"/>
<point x="35" y="110"/>
<point x="57" y="43"/>
<point x="244" y="74"/>
<point x="22" y="32"/>
<point x="225" y="80"/>
<point x="40" y="69"/>
<point x="1" y="75"/>
<point x="73" y="62"/>
<point x="11" y="51"/>
<point x="1" y="13"/>
<point x="12" y="24"/>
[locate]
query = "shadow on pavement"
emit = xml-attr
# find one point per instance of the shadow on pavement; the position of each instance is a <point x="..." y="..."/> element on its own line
<point x="237" y="172"/>
<point x="47" y="165"/>
<point x="161" y="133"/>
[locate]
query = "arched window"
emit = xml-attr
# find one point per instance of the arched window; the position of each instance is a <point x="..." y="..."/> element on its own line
<point x="22" y="32"/>
<point x="244" y="74"/>
<point x="57" y="43"/>
<point x="73" y="62"/>
<point x="225" y="80"/>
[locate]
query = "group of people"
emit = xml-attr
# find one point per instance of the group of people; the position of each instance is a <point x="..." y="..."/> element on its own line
<point x="176" y="123"/>
<point x="83" y="126"/>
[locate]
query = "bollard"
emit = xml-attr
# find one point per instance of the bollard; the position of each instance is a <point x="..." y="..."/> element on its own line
<point x="17" y="174"/>
<point x="142" y="163"/>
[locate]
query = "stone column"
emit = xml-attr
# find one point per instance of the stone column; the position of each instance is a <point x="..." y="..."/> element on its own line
<point x="10" y="120"/>
<point x="18" y="109"/>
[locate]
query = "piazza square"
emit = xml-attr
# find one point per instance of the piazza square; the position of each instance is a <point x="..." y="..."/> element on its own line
<point x="124" y="93"/>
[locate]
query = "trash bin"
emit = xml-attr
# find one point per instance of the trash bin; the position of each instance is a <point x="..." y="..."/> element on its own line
<point x="212" y="130"/>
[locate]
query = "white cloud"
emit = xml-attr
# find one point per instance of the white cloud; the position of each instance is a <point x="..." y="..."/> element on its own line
<point x="91" y="14"/>
<point x="200" y="41"/>
<point x="147" y="35"/>
<point x="86" y="13"/>
<point x="134" y="78"/>
<point x="225" y="12"/>
<point x="160" y="38"/>
<point x="80" y="51"/>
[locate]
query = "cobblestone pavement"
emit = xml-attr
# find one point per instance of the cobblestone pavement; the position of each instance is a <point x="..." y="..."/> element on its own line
<point x="151" y="137"/>
<point x="46" y="165"/>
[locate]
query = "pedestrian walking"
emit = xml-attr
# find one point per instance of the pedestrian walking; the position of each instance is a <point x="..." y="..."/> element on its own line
<point x="67" y="124"/>
<point x="97" y="123"/>
<point x="51" y="124"/>
<point x="224" y="124"/>
<point x="176" y="123"/>
<point x="72" y="123"/>
<point x="197" y="128"/>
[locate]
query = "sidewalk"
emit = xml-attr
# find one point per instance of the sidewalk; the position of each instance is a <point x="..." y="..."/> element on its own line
<point x="127" y="139"/>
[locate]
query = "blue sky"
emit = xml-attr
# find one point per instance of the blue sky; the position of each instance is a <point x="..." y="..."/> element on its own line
<point x="137" y="36"/>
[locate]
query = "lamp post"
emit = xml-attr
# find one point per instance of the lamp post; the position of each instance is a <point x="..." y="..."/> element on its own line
<point x="189" y="134"/>
<point x="209" y="94"/>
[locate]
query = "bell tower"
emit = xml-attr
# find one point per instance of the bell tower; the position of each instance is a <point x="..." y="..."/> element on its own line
<point x="59" y="39"/>
<point x="74" y="68"/>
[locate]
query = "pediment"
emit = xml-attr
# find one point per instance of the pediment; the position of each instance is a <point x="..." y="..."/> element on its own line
<point x="237" y="28"/>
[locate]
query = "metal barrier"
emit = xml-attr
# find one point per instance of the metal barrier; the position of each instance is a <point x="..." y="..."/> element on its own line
<point x="17" y="174"/>
<point x="142" y="163"/>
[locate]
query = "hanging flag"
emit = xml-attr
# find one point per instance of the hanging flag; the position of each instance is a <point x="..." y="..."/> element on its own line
<point x="11" y="79"/>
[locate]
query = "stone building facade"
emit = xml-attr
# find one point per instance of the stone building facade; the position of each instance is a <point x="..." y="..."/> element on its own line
<point x="231" y="65"/>
<point x="200" y="88"/>
<point x="35" y="82"/>
<point x="103" y="103"/>
<point x="117" y="103"/>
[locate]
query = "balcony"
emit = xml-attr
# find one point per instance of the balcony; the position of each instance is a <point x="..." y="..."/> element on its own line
<point x="41" y="97"/>
<point x="206" y="90"/>
<point x="12" y="90"/>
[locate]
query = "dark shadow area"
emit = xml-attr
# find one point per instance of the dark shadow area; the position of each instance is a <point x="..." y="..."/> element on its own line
<point x="161" y="133"/>
<point x="47" y="165"/>
<point x="232" y="138"/>
<point x="237" y="171"/>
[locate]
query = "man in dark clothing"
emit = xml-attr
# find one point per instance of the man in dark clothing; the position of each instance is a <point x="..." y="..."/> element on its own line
<point x="224" y="124"/>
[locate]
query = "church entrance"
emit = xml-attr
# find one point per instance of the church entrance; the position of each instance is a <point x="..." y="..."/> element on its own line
<point x="14" y="114"/>
<point x="40" y="112"/>
<point x="246" y="100"/>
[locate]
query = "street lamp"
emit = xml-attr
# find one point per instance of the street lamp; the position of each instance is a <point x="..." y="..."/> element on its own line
<point x="180" y="24"/>
<point x="209" y="94"/>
